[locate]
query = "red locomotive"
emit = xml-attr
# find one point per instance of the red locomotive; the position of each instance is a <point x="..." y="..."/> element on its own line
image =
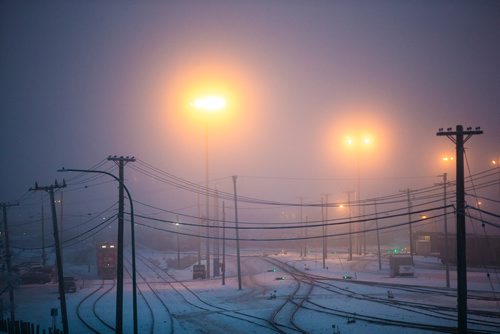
<point x="106" y="260"/>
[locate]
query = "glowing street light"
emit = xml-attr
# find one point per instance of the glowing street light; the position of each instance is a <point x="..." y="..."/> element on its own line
<point x="496" y="163"/>
<point x="208" y="104"/>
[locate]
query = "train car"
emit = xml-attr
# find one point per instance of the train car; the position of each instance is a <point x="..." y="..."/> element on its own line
<point x="106" y="260"/>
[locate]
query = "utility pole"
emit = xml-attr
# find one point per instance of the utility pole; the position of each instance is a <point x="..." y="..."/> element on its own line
<point x="8" y="261"/>
<point x="60" y="275"/>
<point x="120" y="161"/>
<point x="326" y="226"/>
<point x="306" y="237"/>
<point x="409" y="222"/>
<point x="350" y="225"/>
<point x="302" y="248"/>
<point x="217" y="233"/>
<point x="237" y="232"/>
<point x="44" y="256"/>
<point x="446" y="265"/>
<point x="457" y="137"/>
<point x="61" y="231"/>
<point x="199" y="227"/>
<point x="207" y="203"/>
<point x="378" y="237"/>
<point x="132" y="231"/>
<point x="324" y="231"/>
<point x="223" y="243"/>
<point x="177" y="225"/>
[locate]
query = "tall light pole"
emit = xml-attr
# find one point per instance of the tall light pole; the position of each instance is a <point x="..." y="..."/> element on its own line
<point x="209" y="105"/>
<point x="357" y="143"/>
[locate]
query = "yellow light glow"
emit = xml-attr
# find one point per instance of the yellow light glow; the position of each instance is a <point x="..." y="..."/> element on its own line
<point x="358" y="141"/>
<point x="341" y="206"/>
<point x="424" y="217"/>
<point x="494" y="162"/>
<point x="209" y="103"/>
<point x="359" y="132"/>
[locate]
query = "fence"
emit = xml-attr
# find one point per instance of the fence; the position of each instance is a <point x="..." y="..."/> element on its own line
<point x="23" y="327"/>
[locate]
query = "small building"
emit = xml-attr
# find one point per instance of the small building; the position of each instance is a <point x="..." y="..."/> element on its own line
<point x="401" y="265"/>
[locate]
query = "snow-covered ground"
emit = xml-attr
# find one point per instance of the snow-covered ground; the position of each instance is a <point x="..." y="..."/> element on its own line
<point x="207" y="306"/>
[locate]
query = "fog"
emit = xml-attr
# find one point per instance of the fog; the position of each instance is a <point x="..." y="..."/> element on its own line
<point x="81" y="81"/>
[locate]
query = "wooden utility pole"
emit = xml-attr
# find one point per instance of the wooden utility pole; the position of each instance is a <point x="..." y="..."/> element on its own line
<point x="350" y="224"/>
<point x="44" y="256"/>
<point x="120" y="180"/>
<point x="324" y="232"/>
<point x="223" y="243"/>
<point x="120" y="161"/>
<point x="199" y="227"/>
<point x="60" y="274"/>
<point x="445" y="208"/>
<point x="378" y="237"/>
<point x="8" y="260"/>
<point x="237" y="232"/>
<point x="410" y="230"/>
<point x="457" y="137"/>
<point x="326" y="226"/>
<point x="61" y="222"/>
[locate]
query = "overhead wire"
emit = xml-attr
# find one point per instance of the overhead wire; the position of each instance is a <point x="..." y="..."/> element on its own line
<point x="488" y="244"/>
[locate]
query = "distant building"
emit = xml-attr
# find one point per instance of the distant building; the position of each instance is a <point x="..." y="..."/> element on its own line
<point x="481" y="250"/>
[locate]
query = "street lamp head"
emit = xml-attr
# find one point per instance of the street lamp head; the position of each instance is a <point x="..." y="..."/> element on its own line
<point x="367" y="140"/>
<point x="209" y="103"/>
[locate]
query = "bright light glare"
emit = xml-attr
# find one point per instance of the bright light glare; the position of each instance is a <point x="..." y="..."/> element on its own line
<point x="358" y="140"/>
<point x="209" y="103"/>
<point x="494" y="162"/>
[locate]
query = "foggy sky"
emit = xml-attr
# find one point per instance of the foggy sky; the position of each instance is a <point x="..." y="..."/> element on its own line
<point x="82" y="80"/>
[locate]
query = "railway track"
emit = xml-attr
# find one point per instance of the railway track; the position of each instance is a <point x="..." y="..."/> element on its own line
<point x="90" y="323"/>
<point x="436" y="312"/>
<point x="153" y="304"/>
<point x="286" y="311"/>
<point x="193" y="299"/>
